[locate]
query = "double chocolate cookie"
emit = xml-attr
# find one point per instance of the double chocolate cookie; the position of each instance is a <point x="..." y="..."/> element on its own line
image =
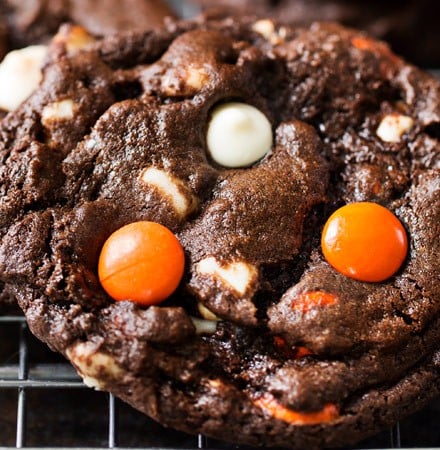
<point x="216" y="155"/>
<point x="27" y="22"/>
<point x="410" y="26"/>
<point x="27" y="25"/>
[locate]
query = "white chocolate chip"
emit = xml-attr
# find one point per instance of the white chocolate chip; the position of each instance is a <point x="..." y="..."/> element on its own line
<point x="20" y="75"/>
<point x="238" y="275"/>
<point x="186" y="81"/>
<point x="169" y="85"/>
<point x="93" y="365"/>
<point x="206" y="313"/>
<point x="204" y="326"/>
<point x="393" y="126"/>
<point x="74" y="38"/>
<point x="238" y="135"/>
<point x="267" y="29"/>
<point x="282" y="33"/>
<point x="196" y="78"/>
<point x="175" y="190"/>
<point x="57" y="111"/>
<point x="216" y="383"/>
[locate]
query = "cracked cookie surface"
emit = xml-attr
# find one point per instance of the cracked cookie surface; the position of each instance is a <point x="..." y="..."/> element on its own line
<point x="27" y="22"/>
<point x="116" y="133"/>
<point x="396" y="22"/>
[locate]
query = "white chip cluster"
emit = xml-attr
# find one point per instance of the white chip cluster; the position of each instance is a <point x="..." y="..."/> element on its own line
<point x="176" y="191"/>
<point x="75" y="38"/>
<point x="238" y="135"/>
<point x="267" y="29"/>
<point x="20" y="75"/>
<point x="58" y="111"/>
<point x="94" y="366"/>
<point x="238" y="275"/>
<point x="204" y="326"/>
<point x="393" y="126"/>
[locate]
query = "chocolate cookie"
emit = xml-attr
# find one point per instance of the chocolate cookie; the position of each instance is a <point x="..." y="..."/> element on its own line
<point x="410" y="26"/>
<point x="35" y="21"/>
<point x="28" y="22"/>
<point x="211" y="155"/>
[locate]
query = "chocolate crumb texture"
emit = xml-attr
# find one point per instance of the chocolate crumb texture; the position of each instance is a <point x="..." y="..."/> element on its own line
<point x="409" y="26"/>
<point x="31" y="22"/>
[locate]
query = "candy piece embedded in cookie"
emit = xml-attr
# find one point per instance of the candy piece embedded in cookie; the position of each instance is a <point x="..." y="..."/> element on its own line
<point x="142" y="262"/>
<point x="28" y="25"/>
<point x="20" y="75"/>
<point x="410" y="26"/>
<point x="30" y="22"/>
<point x="238" y="135"/>
<point x="364" y="241"/>
<point x="241" y="145"/>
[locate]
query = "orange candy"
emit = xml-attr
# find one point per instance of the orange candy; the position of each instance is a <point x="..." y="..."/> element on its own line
<point x="301" y="352"/>
<point x="374" y="46"/>
<point x="142" y="262"/>
<point x="309" y="300"/>
<point x="364" y="241"/>
<point x="272" y="407"/>
<point x="296" y="352"/>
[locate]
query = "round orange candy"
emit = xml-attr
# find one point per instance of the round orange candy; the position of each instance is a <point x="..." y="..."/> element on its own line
<point x="142" y="262"/>
<point x="364" y="241"/>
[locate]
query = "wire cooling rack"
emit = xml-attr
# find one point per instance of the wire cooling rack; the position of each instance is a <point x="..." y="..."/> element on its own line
<point x="43" y="403"/>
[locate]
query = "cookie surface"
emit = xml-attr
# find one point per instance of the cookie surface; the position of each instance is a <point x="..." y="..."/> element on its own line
<point x="29" y="22"/>
<point x="409" y="26"/>
<point x="117" y="134"/>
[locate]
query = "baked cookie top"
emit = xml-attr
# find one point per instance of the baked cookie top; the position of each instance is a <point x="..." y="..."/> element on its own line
<point x="35" y="21"/>
<point x="263" y="340"/>
<point x="410" y="26"/>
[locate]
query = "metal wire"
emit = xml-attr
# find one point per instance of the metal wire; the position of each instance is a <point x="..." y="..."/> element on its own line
<point x="112" y="426"/>
<point x="395" y="441"/>
<point x="50" y="376"/>
<point x="22" y="375"/>
<point x="60" y="375"/>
